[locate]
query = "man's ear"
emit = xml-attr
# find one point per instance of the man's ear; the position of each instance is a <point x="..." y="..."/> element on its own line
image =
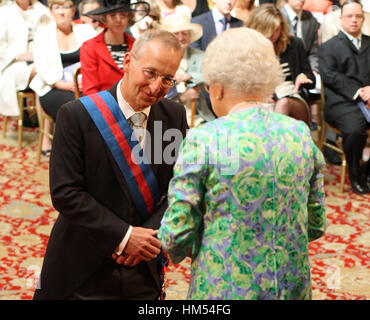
<point x="126" y="62"/>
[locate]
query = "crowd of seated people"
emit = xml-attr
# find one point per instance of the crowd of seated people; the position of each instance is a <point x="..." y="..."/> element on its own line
<point x="105" y="31"/>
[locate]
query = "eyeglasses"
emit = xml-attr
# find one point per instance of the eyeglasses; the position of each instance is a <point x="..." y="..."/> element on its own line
<point x="152" y="75"/>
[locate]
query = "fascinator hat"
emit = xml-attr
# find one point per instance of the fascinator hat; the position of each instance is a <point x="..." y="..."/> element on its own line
<point x="110" y="6"/>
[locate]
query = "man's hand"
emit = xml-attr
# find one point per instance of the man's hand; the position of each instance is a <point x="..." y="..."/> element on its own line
<point x="365" y="94"/>
<point x="142" y="245"/>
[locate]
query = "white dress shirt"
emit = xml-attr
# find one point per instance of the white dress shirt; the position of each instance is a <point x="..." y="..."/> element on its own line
<point x="217" y="16"/>
<point x="292" y="15"/>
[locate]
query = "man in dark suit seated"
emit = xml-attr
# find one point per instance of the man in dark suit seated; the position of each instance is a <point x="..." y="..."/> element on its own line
<point x="215" y="21"/>
<point x="109" y="176"/>
<point x="344" y="63"/>
<point x="303" y="25"/>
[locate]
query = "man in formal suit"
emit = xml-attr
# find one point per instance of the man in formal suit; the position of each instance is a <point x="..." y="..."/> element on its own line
<point x="303" y="25"/>
<point x="345" y="71"/>
<point x="330" y="25"/>
<point x="215" y="21"/>
<point x="110" y="201"/>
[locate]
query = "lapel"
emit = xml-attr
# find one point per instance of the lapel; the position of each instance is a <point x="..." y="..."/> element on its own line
<point x="286" y="16"/>
<point x="305" y="23"/>
<point x="192" y="60"/>
<point x="348" y="43"/>
<point x="210" y="26"/>
<point x="103" y="52"/>
<point x="365" y="44"/>
<point x="235" y="23"/>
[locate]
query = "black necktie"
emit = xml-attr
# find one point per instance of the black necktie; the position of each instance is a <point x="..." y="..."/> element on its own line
<point x="224" y="23"/>
<point x="295" y="23"/>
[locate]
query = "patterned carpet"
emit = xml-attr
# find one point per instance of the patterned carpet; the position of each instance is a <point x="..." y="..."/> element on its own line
<point x="339" y="260"/>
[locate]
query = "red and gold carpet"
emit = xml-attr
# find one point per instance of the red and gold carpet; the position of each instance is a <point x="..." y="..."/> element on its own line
<point x="340" y="260"/>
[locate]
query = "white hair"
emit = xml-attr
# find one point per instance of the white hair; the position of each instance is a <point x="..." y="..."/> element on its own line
<point x="244" y="62"/>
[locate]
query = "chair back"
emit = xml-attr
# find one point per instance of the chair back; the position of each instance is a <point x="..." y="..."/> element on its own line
<point x="76" y="81"/>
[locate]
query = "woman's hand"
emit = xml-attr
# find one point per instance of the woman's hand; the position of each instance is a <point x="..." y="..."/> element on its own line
<point x="25" y="56"/>
<point x="301" y="79"/>
<point x="63" y="85"/>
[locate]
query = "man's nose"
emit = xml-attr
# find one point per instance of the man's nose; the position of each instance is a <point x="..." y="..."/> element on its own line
<point x="156" y="86"/>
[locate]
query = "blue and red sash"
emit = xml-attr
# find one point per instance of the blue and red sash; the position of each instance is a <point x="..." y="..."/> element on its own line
<point x="117" y="134"/>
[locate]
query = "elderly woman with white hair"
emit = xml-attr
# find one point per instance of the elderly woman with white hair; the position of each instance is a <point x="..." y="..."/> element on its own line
<point x="247" y="193"/>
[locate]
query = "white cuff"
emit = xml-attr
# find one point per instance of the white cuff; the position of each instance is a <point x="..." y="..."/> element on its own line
<point x="123" y="243"/>
<point x="356" y="94"/>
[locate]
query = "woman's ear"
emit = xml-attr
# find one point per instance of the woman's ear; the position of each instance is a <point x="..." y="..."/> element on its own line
<point x="218" y="91"/>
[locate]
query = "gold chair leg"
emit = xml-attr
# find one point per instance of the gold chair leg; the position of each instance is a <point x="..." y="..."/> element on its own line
<point x="5" y="125"/>
<point x="41" y="135"/>
<point x="20" y="133"/>
<point x="343" y="174"/>
<point x="20" y="121"/>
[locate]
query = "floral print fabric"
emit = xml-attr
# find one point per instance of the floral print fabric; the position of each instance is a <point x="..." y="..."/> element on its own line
<point x="246" y="198"/>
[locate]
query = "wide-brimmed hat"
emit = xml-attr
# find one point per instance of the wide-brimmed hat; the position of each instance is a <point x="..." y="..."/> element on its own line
<point x="110" y="6"/>
<point x="177" y="22"/>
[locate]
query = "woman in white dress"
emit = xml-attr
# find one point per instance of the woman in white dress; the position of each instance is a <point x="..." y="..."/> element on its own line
<point x="18" y="22"/>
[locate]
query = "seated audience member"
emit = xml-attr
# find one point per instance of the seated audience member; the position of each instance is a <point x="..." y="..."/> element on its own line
<point x="291" y="97"/>
<point x="215" y="22"/>
<point x="331" y="26"/>
<point x="102" y="57"/>
<point x="57" y="54"/>
<point x="189" y="75"/>
<point x="303" y="25"/>
<point x="173" y="6"/>
<point x="345" y="71"/>
<point x="151" y="21"/>
<point x="18" y="22"/>
<point x="248" y="187"/>
<point x="86" y="6"/>
<point x="197" y="7"/>
<point x="242" y="9"/>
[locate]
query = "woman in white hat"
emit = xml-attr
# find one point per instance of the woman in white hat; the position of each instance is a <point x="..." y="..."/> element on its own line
<point x="102" y="57"/>
<point x="189" y="75"/>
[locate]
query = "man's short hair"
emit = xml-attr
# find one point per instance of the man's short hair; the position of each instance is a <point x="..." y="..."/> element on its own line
<point x="349" y="2"/>
<point x="167" y="38"/>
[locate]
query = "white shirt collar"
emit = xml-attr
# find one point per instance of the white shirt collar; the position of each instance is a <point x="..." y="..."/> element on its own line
<point x="291" y="13"/>
<point x="351" y="37"/>
<point x="217" y="15"/>
<point x="125" y="107"/>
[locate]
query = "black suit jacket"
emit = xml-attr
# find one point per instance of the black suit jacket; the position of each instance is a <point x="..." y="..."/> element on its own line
<point x="310" y="35"/>
<point x="343" y="70"/>
<point x="296" y="56"/>
<point x="94" y="204"/>
<point x="209" y="29"/>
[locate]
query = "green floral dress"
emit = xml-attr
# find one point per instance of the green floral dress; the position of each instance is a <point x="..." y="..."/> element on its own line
<point x="246" y="198"/>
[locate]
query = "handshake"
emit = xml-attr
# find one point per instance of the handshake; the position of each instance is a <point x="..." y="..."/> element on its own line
<point x="142" y="245"/>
